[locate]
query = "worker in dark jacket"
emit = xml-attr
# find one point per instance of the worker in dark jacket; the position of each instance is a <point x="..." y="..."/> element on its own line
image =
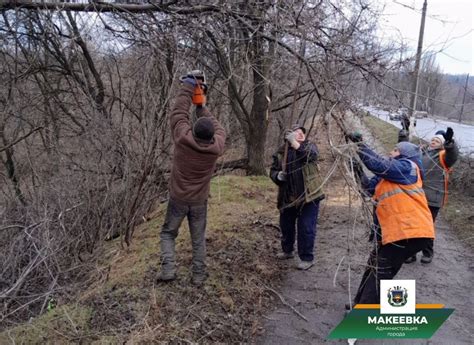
<point x="402" y="218"/>
<point x="299" y="194"/>
<point x="437" y="159"/>
<point x="196" y="149"/>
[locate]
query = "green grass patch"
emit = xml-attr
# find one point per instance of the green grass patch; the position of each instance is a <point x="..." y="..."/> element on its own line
<point x="63" y="325"/>
<point x="386" y="133"/>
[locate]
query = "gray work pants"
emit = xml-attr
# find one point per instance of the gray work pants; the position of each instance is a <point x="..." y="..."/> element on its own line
<point x="197" y="217"/>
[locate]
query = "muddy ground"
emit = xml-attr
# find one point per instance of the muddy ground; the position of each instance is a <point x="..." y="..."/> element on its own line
<point x="319" y="294"/>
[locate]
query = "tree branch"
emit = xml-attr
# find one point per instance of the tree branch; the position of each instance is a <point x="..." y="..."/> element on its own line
<point x="19" y="139"/>
<point x="105" y="7"/>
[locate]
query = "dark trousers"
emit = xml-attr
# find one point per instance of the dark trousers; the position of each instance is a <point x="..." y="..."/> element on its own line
<point x="429" y="251"/>
<point x="197" y="217"/>
<point x="301" y="220"/>
<point x="384" y="263"/>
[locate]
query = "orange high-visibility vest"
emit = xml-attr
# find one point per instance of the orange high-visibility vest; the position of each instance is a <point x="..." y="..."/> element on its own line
<point x="442" y="160"/>
<point x="402" y="210"/>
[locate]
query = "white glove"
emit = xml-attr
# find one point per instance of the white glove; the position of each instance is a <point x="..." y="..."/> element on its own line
<point x="291" y="137"/>
<point x="281" y="176"/>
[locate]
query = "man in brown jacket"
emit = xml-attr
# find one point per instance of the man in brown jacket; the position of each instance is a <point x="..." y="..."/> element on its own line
<point x="196" y="149"/>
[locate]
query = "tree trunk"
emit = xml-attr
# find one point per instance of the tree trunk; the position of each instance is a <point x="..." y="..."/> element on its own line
<point x="257" y="130"/>
<point x="10" y="167"/>
<point x="256" y="150"/>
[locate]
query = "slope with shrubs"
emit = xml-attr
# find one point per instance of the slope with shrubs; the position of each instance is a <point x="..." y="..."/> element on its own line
<point x="126" y="304"/>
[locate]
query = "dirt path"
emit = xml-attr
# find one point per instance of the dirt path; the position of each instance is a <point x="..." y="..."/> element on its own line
<point x="320" y="296"/>
<point x="448" y="279"/>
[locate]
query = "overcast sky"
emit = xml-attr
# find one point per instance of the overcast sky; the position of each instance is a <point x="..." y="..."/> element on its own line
<point x="448" y="29"/>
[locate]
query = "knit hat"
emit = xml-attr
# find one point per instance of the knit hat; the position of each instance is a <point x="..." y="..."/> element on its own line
<point x="297" y="126"/>
<point x="408" y="150"/>
<point x="443" y="133"/>
<point x="203" y="129"/>
<point x="439" y="137"/>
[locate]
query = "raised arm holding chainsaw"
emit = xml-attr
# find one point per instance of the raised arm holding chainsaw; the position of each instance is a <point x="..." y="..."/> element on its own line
<point x="196" y="149"/>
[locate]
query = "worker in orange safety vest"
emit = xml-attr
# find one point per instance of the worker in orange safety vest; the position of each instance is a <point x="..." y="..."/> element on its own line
<point x="402" y="221"/>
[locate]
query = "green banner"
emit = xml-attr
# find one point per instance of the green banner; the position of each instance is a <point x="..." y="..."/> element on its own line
<point x="370" y="324"/>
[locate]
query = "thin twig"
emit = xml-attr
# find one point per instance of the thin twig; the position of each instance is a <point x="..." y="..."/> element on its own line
<point x="337" y="270"/>
<point x="282" y="299"/>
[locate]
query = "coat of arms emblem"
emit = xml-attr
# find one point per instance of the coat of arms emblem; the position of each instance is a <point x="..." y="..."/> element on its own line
<point x="397" y="296"/>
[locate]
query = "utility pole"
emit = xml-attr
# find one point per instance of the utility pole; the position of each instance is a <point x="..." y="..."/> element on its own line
<point x="463" y="98"/>
<point x="410" y="126"/>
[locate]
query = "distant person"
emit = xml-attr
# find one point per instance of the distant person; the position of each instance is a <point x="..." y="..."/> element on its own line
<point x="299" y="194"/>
<point x="196" y="149"/>
<point x="403" y="223"/>
<point x="437" y="159"/>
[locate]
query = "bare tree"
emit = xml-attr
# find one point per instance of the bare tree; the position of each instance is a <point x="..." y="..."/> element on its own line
<point x="86" y="88"/>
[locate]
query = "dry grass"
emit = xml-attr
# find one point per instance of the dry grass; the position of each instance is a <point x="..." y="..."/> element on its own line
<point x="458" y="212"/>
<point x="127" y="304"/>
